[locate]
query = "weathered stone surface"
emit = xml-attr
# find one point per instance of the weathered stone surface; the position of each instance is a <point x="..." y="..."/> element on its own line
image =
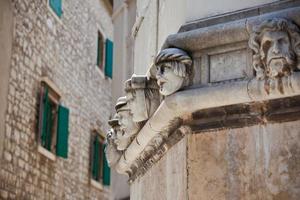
<point x="229" y="65"/>
<point x="203" y="9"/>
<point x="259" y="162"/>
<point x="166" y="180"/>
<point x="231" y="16"/>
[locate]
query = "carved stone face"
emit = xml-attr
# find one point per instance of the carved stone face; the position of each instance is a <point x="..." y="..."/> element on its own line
<point x="127" y="125"/>
<point x="276" y="48"/>
<point x="122" y="142"/>
<point x="117" y="138"/>
<point x="167" y="80"/>
<point x="137" y="108"/>
<point x="111" y="151"/>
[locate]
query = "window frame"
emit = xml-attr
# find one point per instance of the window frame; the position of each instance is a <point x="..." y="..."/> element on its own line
<point x="53" y="12"/>
<point x="101" y="65"/>
<point x="97" y="183"/>
<point x="55" y="97"/>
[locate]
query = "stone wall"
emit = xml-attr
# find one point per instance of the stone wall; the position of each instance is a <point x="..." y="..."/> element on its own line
<point x="258" y="162"/>
<point x="167" y="179"/>
<point x="6" y="32"/>
<point x="65" y="51"/>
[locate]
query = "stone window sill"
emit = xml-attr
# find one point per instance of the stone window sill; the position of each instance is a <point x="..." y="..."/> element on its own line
<point x="100" y="71"/>
<point x="46" y="153"/>
<point x="96" y="184"/>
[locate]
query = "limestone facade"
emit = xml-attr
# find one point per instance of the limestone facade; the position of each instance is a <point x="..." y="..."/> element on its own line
<point x="64" y="50"/>
<point x="231" y="129"/>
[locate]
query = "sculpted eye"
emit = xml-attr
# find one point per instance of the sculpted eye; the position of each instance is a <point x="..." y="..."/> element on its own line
<point x="283" y="41"/>
<point x="266" y="45"/>
<point x="161" y="69"/>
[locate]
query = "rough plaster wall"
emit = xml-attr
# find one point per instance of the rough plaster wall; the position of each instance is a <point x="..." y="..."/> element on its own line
<point x="6" y="34"/>
<point x="161" y="18"/>
<point x="118" y="62"/>
<point x="202" y="8"/>
<point x="259" y="162"/>
<point x="146" y="38"/>
<point x="166" y="180"/>
<point x="172" y="15"/>
<point x="65" y="51"/>
<point x="123" y="47"/>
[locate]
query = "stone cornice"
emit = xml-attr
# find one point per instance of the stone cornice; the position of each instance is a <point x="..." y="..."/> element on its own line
<point x="225" y="33"/>
<point x="229" y="77"/>
<point x="182" y="104"/>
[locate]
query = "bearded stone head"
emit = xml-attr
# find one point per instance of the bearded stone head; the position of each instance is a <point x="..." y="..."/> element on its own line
<point x="174" y="67"/>
<point x="276" y="47"/>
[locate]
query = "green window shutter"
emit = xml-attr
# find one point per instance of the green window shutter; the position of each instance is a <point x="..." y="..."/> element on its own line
<point x="46" y="122"/>
<point x="56" y="6"/>
<point x="108" y="58"/>
<point x="106" y="169"/>
<point x="96" y="156"/>
<point x="62" y="132"/>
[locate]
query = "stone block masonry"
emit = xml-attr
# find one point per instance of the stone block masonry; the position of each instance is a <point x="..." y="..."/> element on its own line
<point x="64" y="50"/>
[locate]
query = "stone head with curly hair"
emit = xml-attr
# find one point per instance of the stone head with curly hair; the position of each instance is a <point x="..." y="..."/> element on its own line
<point x="276" y="48"/>
<point x="174" y="68"/>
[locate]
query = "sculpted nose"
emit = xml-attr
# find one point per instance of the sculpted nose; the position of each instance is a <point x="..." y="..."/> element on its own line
<point x="276" y="48"/>
<point x="158" y="73"/>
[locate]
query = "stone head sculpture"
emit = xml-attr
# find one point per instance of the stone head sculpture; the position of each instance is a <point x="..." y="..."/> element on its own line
<point x="174" y="68"/>
<point x="142" y="97"/>
<point x="276" y="47"/>
<point x="117" y="135"/>
<point x="127" y="125"/>
<point x="113" y="155"/>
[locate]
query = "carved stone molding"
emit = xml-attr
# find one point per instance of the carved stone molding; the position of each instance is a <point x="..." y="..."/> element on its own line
<point x="156" y="150"/>
<point x="227" y="67"/>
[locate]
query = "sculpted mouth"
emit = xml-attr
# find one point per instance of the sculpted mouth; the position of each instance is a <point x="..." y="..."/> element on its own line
<point x="276" y="58"/>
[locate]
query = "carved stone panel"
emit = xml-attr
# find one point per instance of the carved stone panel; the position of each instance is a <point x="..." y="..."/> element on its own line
<point x="229" y="65"/>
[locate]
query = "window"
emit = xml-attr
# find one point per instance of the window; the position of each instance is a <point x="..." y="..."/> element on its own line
<point x="100" y="171"/>
<point x="53" y="122"/>
<point x="100" y="51"/>
<point x="56" y="6"/>
<point x="105" y="55"/>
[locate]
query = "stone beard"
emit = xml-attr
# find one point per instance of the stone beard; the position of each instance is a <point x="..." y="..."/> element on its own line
<point x="276" y="48"/>
<point x="173" y="70"/>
